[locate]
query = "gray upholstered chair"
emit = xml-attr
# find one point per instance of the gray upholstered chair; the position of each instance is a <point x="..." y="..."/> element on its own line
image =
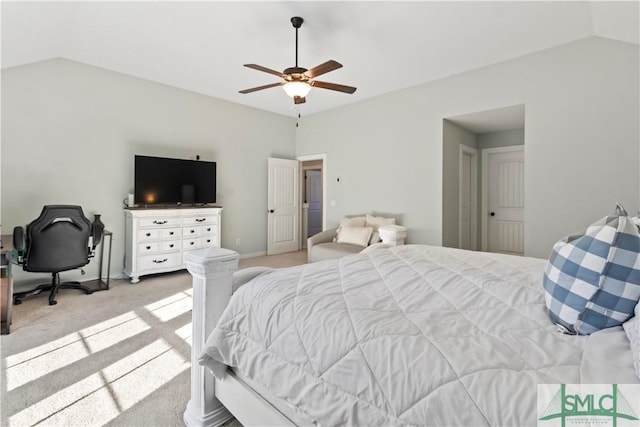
<point x="335" y="243"/>
<point x="321" y="246"/>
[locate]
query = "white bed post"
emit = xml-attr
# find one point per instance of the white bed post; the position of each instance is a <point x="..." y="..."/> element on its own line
<point x="212" y="270"/>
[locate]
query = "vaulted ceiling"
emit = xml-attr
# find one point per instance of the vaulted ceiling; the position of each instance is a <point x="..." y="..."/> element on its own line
<point x="201" y="46"/>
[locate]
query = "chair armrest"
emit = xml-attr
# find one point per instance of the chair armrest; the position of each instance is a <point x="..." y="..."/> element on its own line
<point x="18" y="243"/>
<point x="18" y="239"/>
<point x="322" y="237"/>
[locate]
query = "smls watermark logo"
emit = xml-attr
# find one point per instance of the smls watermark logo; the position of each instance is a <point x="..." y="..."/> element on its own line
<point x="596" y="405"/>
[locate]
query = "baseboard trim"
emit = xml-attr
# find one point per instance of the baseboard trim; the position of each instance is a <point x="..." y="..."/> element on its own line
<point x="253" y="254"/>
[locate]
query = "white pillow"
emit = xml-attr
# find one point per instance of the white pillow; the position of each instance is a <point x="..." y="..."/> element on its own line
<point x="375" y="222"/>
<point x="354" y="235"/>
<point x="356" y="221"/>
<point x="632" y="329"/>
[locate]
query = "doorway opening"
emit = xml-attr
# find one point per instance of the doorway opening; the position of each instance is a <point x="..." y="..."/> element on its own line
<point x="483" y="181"/>
<point x="313" y="195"/>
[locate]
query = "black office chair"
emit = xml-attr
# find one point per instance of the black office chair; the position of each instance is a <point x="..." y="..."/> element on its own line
<point x="58" y="240"/>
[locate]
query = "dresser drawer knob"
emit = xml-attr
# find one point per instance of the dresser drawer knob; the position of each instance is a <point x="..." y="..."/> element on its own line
<point x="171" y="245"/>
<point x="148" y="247"/>
<point x="192" y="231"/>
<point x="191" y="243"/>
<point x="148" y="234"/>
<point x="201" y="219"/>
<point x="160" y="261"/>
<point x="171" y="233"/>
<point x="160" y="222"/>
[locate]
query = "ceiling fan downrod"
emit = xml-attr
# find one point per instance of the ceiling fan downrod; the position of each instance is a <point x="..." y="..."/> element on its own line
<point x="297" y="23"/>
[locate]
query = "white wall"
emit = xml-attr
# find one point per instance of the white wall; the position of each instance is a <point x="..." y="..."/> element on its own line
<point x="581" y="133"/>
<point x="69" y="133"/>
<point x="453" y="136"/>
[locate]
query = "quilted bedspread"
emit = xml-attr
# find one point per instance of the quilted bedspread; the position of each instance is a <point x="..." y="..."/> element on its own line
<point x="411" y="335"/>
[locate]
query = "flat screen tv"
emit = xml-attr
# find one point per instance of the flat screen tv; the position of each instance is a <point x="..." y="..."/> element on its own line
<point x="163" y="181"/>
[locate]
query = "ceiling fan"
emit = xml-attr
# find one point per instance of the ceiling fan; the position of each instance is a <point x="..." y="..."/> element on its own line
<point x="298" y="81"/>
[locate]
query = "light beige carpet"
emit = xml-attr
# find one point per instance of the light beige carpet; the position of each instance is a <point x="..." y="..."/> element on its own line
<point x="117" y="358"/>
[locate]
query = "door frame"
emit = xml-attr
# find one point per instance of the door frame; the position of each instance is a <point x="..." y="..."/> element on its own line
<point x="485" y="187"/>
<point x="473" y="226"/>
<point x="323" y="158"/>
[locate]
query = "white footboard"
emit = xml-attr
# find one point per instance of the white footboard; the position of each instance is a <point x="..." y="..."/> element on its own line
<point x="212" y="271"/>
<point x="213" y="283"/>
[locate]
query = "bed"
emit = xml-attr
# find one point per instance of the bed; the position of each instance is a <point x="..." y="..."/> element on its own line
<point x="408" y="335"/>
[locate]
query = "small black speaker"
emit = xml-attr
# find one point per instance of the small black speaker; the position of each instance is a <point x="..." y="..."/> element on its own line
<point x="188" y="193"/>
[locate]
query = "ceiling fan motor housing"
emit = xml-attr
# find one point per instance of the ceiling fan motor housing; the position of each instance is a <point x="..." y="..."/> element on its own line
<point x="295" y="70"/>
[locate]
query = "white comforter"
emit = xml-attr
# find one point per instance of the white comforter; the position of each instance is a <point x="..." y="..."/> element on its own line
<point x="414" y="335"/>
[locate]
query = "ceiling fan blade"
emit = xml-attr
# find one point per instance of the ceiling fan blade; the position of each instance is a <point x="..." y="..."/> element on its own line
<point x="333" y="86"/>
<point x="299" y="100"/>
<point x="253" y="89"/>
<point x="316" y="71"/>
<point x="265" y="69"/>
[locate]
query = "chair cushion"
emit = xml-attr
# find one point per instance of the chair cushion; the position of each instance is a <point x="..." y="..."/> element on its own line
<point x="332" y="250"/>
<point x="592" y="280"/>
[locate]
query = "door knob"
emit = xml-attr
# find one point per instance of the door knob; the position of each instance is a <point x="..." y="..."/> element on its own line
<point x="271" y="211"/>
<point x="492" y="214"/>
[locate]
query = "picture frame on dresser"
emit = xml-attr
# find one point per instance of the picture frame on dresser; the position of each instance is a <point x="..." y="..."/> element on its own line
<point x="158" y="239"/>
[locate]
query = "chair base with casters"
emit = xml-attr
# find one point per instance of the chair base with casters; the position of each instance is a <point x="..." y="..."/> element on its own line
<point x="54" y="286"/>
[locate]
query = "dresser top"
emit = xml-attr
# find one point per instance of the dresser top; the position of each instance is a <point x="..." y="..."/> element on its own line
<point x="162" y="207"/>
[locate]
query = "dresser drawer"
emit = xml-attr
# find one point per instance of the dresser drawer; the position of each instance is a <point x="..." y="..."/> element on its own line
<point x="171" y="233"/>
<point x="151" y="234"/>
<point x="188" y="244"/>
<point x="206" y="230"/>
<point x="200" y="220"/>
<point x="149" y="262"/>
<point x="172" y="245"/>
<point x="159" y="222"/>
<point x="208" y="241"/>
<point x="149" y="247"/>
<point x="188" y="232"/>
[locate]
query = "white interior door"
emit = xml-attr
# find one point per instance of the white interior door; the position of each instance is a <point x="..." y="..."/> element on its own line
<point x="314" y="199"/>
<point x="468" y="192"/>
<point x="283" y="206"/>
<point x="505" y="196"/>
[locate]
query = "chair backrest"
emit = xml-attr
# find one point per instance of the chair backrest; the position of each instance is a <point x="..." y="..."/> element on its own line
<point x="58" y="240"/>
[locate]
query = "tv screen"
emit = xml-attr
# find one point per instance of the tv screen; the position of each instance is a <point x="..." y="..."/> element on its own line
<point x="160" y="180"/>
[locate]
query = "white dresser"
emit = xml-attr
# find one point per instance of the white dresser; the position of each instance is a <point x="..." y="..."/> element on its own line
<point x="157" y="240"/>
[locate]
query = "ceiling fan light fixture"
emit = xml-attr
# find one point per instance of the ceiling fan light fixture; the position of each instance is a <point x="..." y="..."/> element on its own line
<point x="294" y="89"/>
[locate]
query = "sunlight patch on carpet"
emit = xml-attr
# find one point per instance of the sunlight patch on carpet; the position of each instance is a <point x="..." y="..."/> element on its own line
<point x="171" y="307"/>
<point x="34" y="363"/>
<point x="185" y="332"/>
<point x="104" y="395"/>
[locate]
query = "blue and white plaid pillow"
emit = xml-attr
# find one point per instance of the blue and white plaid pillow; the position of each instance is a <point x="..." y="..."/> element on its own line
<point x="592" y="280"/>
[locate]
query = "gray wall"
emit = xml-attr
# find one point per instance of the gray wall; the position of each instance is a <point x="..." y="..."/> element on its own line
<point x="581" y="132"/>
<point x="453" y="136"/>
<point x="504" y="138"/>
<point x="69" y="133"/>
